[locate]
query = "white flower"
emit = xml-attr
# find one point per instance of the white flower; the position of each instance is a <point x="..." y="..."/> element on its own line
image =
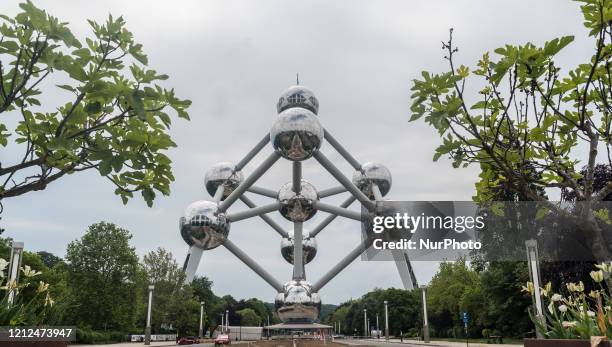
<point x="590" y="313"/>
<point x="597" y="276"/>
<point x="573" y="287"/>
<point x="528" y="288"/>
<point x="29" y="272"/>
<point x="3" y="264"/>
<point x="10" y="285"/>
<point x="563" y="308"/>
<point x="605" y="267"/>
<point x="42" y="287"/>
<point x="49" y="301"/>
<point x="556" y="297"/>
<point x="566" y="324"/>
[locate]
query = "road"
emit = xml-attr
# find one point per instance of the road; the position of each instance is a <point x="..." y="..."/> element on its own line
<point x="376" y="343"/>
<point x="408" y="343"/>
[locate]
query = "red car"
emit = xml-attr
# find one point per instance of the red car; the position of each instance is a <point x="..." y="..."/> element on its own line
<point x="188" y="340"/>
<point x="222" y="339"/>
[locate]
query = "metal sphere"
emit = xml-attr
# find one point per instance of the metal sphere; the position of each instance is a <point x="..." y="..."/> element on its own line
<point x="298" y="207"/>
<point x="203" y="226"/>
<point x="373" y="173"/>
<point x="296" y="134"/>
<point x="298" y="96"/>
<point x="222" y="174"/>
<point x="297" y="303"/>
<point x="309" y="247"/>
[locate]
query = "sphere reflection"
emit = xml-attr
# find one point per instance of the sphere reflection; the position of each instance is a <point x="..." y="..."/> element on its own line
<point x="203" y="226"/>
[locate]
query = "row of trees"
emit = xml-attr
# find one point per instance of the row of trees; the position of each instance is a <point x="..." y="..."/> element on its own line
<point x="490" y="292"/>
<point x="101" y="285"/>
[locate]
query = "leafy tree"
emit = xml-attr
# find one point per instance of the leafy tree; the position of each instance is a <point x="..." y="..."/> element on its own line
<point x="103" y="278"/>
<point x="184" y="312"/>
<point x="505" y="306"/>
<point x="172" y="296"/>
<point x="404" y="311"/>
<point x="202" y="289"/>
<point x="529" y="123"/>
<point x="49" y="259"/>
<point x="248" y="317"/>
<point x="111" y="121"/>
<point x="453" y="290"/>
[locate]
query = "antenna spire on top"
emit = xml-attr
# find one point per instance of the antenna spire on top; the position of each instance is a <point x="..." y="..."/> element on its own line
<point x="297" y="79"/>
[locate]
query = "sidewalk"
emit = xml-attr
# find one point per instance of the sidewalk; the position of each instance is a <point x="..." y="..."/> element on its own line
<point x="452" y="343"/>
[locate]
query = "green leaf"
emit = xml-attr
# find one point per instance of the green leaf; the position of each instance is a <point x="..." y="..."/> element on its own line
<point x="498" y="209"/>
<point x="66" y="87"/>
<point x="148" y="194"/>
<point x="138" y="104"/>
<point x="105" y="167"/>
<point x="93" y="107"/>
<point x="541" y="213"/>
<point x="603" y="215"/>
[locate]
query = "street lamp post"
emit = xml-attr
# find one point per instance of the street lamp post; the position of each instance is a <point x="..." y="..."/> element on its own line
<point x="148" y="327"/>
<point x="377" y="328"/>
<point x="201" y="331"/>
<point x="425" y="321"/>
<point x="227" y="321"/>
<point x="14" y="265"/>
<point x="386" y="320"/>
<point x="365" y="322"/>
<point x="222" y="323"/>
<point x="534" y="273"/>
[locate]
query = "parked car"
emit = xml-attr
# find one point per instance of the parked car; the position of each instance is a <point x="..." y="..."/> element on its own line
<point x="188" y="340"/>
<point x="222" y="339"/>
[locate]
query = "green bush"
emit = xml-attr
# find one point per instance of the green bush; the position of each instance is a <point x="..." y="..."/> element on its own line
<point x="90" y="337"/>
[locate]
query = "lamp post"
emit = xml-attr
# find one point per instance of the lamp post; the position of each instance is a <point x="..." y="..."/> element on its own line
<point x="534" y="273"/>
<point x="386" y="320"/>
<point x="148" y="327"/>
<point x="222" y="323"/>
<point x="201" y="331"/>
<point x="365" y="322"/>
<point x="227" y="321"/>
<point x="14" y="265"/>
<point x="425" y="321"/>
<point x="377" y="329"/>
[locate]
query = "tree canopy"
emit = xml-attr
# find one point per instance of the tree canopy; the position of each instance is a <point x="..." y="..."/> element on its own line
<point x="114" y="117"/>
<point x="530" y="123"/>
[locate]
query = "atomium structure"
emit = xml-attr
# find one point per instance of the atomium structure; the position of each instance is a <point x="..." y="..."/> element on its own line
<point x="296" y="135"/>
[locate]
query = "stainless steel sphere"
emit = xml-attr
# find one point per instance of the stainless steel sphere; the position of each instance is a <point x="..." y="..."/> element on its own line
<point x="309" y="247"/>
<point x="297" y="303"/>
<point x="298" y="207"/>
<point x="296" y="134"/>
<point x="373" y="173"/>
<point x="298" y="96"/>
<point x="222" y="174"/>
<point x="203" y="226"/>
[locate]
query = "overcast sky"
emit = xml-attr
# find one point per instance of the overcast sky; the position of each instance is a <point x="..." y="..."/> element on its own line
<point x="233" y="59"/>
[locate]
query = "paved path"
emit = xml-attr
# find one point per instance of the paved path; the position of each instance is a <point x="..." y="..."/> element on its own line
<point x="131" y="344"/>
<point x="410" y="343"/>
<point x="349" y="342"/>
